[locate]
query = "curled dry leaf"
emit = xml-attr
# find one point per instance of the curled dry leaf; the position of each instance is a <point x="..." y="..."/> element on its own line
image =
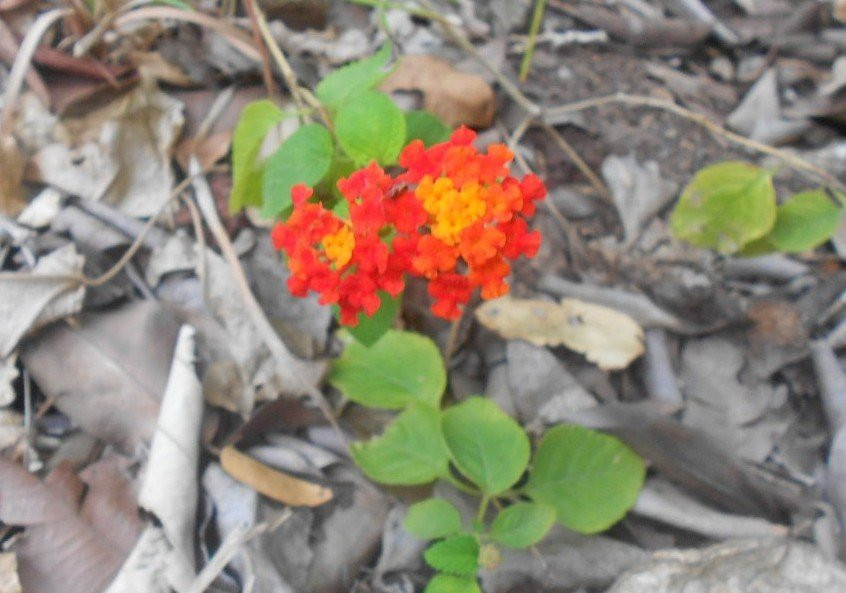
<point x="30" y="300"/>
<point x="454" y="96"/>
<point x="272" y="482"/>
<point x="605" y="336"/>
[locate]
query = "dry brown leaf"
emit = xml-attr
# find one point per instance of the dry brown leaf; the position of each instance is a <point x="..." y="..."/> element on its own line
<point x="109" y="373"/>
<point x="78" y="531"/>
<point x="29" y="300"/>
<point x="605" y="336"/>
<point x="208" y="149"/>
<point x="454" y="96"/>
<point x="12" y="165"/>
<point x="271" y="482"/>
<point x="9" y="581"/>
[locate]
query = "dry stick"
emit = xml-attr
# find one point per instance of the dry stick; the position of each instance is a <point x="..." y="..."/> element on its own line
<point x="284" y="67"/>
<point x="230" y="546"/>
<point x="266" y="71"/>
<point x="137" y="243"/>
<point x="794" y="161"/>
<point x="22" y="63"/>
<point x="568" y="149"/>
<point x="234" y="36"/>
<point x="302" y="96"/>
<point x="281" y="354"/>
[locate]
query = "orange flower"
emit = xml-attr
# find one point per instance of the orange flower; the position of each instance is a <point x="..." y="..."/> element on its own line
<point x="454" y="216"/>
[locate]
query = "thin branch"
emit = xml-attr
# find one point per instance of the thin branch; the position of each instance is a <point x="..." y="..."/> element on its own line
<point x="795" y="162"/>
<point x="288" y="364"/>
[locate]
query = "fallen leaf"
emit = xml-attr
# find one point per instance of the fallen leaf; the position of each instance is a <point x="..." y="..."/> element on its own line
<point x="120" y="152"/>
<point x="78" y="531"/>
<point x="454" y="96"/>
<point x="271" y="482"/>
<point x="28" y="302"/>
<point x="638" y="189"/>
<point x="9" y="581"/>
<point x="605" y="336"/>
<point x="169" y="490"/>
<point x="109" y="373"/>
<point x="208" y="150"/>
<point x="12" y="165"/>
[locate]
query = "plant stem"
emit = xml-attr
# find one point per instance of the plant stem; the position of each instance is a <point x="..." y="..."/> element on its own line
<point x="483" y="506"/>
<point x="459" y="484"/>
<point x="537" y="18"/>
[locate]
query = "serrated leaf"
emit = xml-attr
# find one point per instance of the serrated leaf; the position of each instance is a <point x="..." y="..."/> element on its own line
<point x="411" y="450"/>
<point x="354" y="78"/>
<point x="304" y="157"/>
<point x="485" y="444"/>
<point x="425" y="126"/>
<point x="457" y="555"/>
<point x="726" y="206"/>
<point x="450" y="583"/>
<point x="370" y="329"/>
<point x="370" y="127"/>
<point x="432" y="518"/>
<point x="590" y="479"/>
<point x="523" y="524"/>
<point x="804" y="222"/>
<point x="401" y="367"/>
<point x="256" y="119"/>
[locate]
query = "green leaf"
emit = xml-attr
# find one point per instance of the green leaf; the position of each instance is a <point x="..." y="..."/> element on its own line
<point x="247" y="172"/>
<point x="370" y="329"/>
<point x="590" y="478"/>
<point x="726" y="206"/>
<point x="450" y="583"/>
<point x="425" y="126"/>
<point x="354" y="78"/>
<point x="486" y="445"/>
<point x="804" y="222"/>
<point x="400" y="368"/>
<point x="411" y="450"/>
<point x="458" y="555"/>
<point x="370" y="127"/>
<point x="523" y="524"/>
<point x="432" y="518"/>
<point x="303" y="158"/>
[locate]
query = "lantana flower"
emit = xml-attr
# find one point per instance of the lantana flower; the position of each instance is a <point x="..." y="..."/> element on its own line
<point x="452" y="215"/>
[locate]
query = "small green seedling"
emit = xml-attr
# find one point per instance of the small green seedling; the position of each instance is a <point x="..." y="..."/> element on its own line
<point x="732" y="207"/>
<point x="581" y="478"/>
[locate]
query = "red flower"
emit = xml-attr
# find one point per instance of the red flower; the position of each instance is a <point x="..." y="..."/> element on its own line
<point x="454" y="216"/>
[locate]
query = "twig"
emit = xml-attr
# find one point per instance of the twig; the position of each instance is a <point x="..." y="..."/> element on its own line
<point x="22" y="63"/>
<point x="230" y="546"/>
<point x="794" y="161"/>
<point x="279" y="57"/>
<point x="568" y="149"/>
<point x="266" y="72"/>
<point x="127" y="255"/>
<point x="288" y="363"/>
<point x="234" y="36"/>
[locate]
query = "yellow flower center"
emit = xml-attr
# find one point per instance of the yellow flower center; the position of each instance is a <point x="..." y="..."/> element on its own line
<point x="339" y="246"/>
<point x="452" y="210"/>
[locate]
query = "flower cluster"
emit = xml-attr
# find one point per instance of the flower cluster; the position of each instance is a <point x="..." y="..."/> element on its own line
<point x="452" y="215"/>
